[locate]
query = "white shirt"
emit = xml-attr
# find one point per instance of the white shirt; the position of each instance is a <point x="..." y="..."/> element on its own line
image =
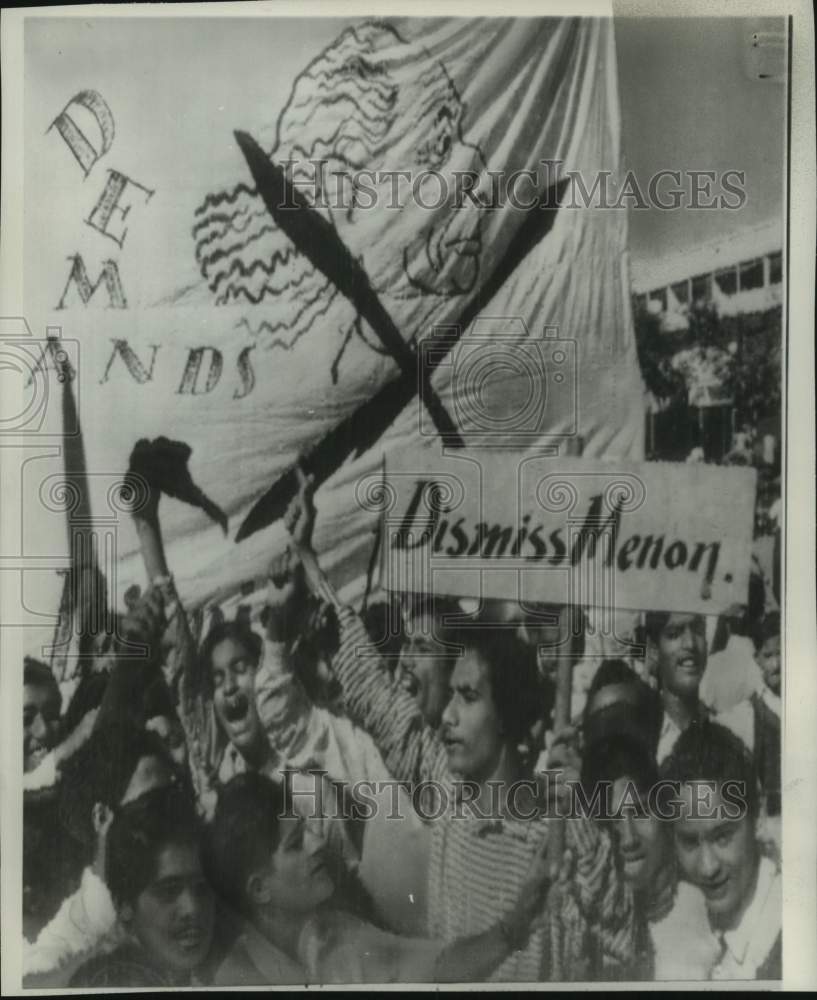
<point x="670" y="731"/>
<point x="83" y="922"/>
<point x="748" y="946"/>
<point x="731" y="676"/>
<point x="44" y="774"/>
<point x="741" y="718"/>
<point x="684" y="946"/>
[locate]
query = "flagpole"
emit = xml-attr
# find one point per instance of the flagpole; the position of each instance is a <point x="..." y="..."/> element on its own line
<point x="85" y="592"/>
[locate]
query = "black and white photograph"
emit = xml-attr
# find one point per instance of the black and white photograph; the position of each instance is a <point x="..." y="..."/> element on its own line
<point x="404" y="420"/>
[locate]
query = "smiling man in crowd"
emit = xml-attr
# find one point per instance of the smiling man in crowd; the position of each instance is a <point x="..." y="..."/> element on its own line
<point x="41" y="712"/>
<point x="677" y="642"/>
<point x="718" y="851"/>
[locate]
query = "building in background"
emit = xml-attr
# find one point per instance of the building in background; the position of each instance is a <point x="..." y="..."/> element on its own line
<point x="741" y="273"/>
<point x="712" y="314"/>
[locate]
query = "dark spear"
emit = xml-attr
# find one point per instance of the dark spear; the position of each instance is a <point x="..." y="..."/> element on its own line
<point x="318" y="241"/>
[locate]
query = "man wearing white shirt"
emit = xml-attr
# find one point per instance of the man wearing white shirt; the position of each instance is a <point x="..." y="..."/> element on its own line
<point x="717" y="849"/>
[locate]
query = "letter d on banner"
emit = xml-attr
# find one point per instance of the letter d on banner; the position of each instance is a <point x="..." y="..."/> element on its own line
<point x="84" y="152"/>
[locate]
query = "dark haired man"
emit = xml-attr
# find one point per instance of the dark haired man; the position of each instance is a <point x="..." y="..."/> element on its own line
<point x="619" y="702"/>
<point x="42" y="702"/>
<point x="425" y="662"/>
<point x="481" y="849"/>
<point x="718" y="851"/>
<point x="162" y="899"/>
<point x="229" y="658"/>
<point x="767" y="653"/>
<point x="117" y="765"/>
<point x="677" y="641"/>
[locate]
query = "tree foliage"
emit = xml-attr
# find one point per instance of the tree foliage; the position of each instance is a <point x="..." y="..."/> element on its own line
<point x="746" y="351"/>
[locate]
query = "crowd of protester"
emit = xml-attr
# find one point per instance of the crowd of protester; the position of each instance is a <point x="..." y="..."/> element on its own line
<point x="323" y="796"/>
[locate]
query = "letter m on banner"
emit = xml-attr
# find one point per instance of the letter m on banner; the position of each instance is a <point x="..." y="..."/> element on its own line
<point x="79" y="277"/>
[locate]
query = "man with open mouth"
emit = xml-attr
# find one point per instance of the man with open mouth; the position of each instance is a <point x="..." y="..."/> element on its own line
<point x="677" y="643"/>
<point x="218" y="698"/>
<point x="718" y="850"/>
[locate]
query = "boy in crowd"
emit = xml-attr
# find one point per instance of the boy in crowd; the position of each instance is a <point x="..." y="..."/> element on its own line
<point x="718" y="851"/>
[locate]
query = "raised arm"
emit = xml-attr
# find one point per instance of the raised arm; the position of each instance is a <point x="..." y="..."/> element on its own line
<point x="160" y="467"/>
<point x="411" y="750"/>
<point x="288" y="716"/>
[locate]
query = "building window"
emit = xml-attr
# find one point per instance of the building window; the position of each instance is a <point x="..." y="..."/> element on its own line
<point x="775" y="268"/>
<point x="727" y="280"/>
<point x="659" y="295"/>
<point x="751" y="274"/>
<point x="681" y="292"/>
<point x="701" y="288"/>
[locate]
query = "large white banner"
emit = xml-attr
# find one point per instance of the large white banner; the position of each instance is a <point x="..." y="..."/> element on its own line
<point x="197" y="310"/>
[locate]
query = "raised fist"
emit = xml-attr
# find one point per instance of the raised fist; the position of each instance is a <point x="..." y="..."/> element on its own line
<point x="161" y="467"/>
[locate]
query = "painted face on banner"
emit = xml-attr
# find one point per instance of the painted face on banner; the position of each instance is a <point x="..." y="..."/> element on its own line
<point x="471" y="727"/>
<point x="233" y="669"/>
<point x="682" y="654"/>
<point x="359" y="113"/>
